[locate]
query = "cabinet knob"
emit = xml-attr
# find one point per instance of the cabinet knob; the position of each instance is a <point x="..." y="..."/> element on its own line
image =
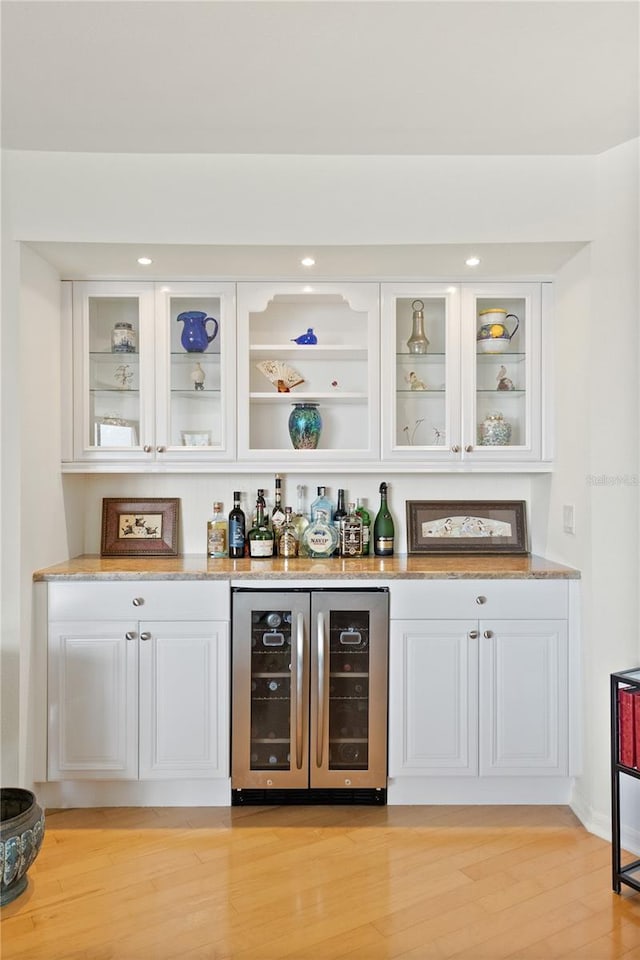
<point x="130" y="635"/>
<point x="147" y="448"/>
<point x="145" y="636"/>
<point x="481" y="600"/>
<point x="468" y="448"/>
<point x="161" y="449"/>
<point x="488" y="634"/>
<point x="473" y="634"/>
<point x="138" y="601"/>
<point x="455" y="448"/>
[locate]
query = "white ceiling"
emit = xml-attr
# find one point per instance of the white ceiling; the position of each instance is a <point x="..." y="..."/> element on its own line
<point x="305" y="76"/>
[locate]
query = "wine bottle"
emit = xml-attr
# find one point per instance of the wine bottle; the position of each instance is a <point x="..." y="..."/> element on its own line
<point x="338" y="516"/>
<point x="217" y="533"/>
<point x="365" y="516"/>
<point x="260" y="536"/>
<point x="277" y="514"/>
<point x="383" y="529"/>
<point x="237" y="528"/>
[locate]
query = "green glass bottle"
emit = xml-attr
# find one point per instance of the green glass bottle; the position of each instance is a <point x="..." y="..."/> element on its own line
<point x="383" y="528"/>
<point x="260" y="535"/>
<point x="363" y="513"/>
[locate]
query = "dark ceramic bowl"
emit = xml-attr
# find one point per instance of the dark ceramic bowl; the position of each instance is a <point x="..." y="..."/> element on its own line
<point x="21" y="834"/>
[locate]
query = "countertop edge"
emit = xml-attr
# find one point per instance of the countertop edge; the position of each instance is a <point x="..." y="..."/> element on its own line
<point x="402" y="567"/>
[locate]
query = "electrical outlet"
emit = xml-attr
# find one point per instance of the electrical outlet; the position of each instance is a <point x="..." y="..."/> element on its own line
<point x="569" y="518"/>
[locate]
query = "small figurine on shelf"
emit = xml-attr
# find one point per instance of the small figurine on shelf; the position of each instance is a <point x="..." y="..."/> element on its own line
<point x="123" y="375"/>
<point x="197" y="376"/>
<point x="415" y="383"/>
<point x="306" y="338"/>
<point x="504" y="383"/>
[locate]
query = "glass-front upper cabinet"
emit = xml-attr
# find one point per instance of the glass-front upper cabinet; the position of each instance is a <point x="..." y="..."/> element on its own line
<point x="462" y="370"/>
<point x="152" y="372"/>
<point x="308" y="372"/>
<point x="421" y="371"/>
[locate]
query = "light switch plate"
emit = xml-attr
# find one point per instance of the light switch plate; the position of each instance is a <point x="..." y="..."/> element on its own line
<point x="568" y="518"/>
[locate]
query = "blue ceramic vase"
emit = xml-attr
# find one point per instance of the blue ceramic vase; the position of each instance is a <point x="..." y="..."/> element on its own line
<point x="305" y="426"/>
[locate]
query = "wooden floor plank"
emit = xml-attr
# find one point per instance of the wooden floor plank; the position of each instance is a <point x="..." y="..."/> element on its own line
<point x="321" y="883"/>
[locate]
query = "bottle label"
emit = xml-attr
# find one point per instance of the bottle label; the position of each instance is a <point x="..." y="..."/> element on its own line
<point x="288" y="545"/>
<point x="217" y="541"/>
<point x="320" y="539"/>
<point x="384" y="544"/>
<point x="261" y="548"/>
<point x="236" y="533"/>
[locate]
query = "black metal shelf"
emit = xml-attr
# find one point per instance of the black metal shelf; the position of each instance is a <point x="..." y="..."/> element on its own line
<point x="621" y="873"/>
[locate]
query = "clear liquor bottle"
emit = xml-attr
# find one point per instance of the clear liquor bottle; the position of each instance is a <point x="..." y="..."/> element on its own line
<point x="365" y="516"/>
<point x="300" y="520"/>
<point x="322" y="507"/>
<point x="288" y="542"/>
<point x="260" y="535"/>
<point x="217" y="532"/>
<point x="338" y="516"/>
<point x="351" y="533"/>
<point x="383" y="528"/>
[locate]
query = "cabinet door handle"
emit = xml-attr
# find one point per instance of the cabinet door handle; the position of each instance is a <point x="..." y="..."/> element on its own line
<point x="481" y="599"/>
<point x="130" y="635"/>
<point x="455" y="448"/>
<point x="147" y="448"/>
<point x="468" y="448"/>
<point x="473" y="634"/>
<point x="161" y="449"/>
<point x="138" y="601"/>
<point x="321" y="690"/>
<point x="487" y="634"/>
<point x="145" y="636"/>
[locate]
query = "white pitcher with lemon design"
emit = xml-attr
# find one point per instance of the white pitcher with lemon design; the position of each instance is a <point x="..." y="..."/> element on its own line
<point x="493" y="335"/>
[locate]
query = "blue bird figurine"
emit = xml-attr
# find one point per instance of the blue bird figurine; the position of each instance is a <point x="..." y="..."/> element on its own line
<point x="308" y="337"/>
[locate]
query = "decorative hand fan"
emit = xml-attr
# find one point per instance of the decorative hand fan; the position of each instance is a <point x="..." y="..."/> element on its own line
<point x="281" y="374"/>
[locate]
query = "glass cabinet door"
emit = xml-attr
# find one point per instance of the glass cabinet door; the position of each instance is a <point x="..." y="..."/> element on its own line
<point x="195" y="332"/>
<point x="308" y="381"/>
<point x="501" y="371"/>
<point x="348" y="703"/>
<point x="112" y="370"/>
<point x="421" y="372"/>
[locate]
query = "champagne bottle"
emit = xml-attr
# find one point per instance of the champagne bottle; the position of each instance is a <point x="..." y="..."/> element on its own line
<point x="260" y="536"/>
<point x="217" y="533"/>
<point x="237" y="528"/>
<point x="365" y="516"/>
<point x="383" y="529"/>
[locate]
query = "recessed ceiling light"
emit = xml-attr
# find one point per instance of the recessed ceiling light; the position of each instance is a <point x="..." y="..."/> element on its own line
<point x="472" y="261"/>
<point x="307" y="261"/>
<point x="144" y="261"/>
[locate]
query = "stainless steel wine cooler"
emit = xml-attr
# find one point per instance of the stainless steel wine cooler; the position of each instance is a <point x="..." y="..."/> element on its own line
<point x="309" y="697"/>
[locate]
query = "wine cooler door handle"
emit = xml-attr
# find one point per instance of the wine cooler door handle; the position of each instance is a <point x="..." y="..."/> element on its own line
<point x="321" y="689"/>
<point x="299" y="687"/>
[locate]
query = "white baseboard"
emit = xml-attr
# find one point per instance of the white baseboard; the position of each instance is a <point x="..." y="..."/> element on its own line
<point x="138" y="793"/>
<point x="478" y="790"/>
<point x="599" y="823"/>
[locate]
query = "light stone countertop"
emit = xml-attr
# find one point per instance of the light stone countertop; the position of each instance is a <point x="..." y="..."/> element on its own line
<point x="199" y="567"/>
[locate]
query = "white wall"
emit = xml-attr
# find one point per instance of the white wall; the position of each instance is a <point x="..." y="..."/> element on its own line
<point x="394" y="200"/>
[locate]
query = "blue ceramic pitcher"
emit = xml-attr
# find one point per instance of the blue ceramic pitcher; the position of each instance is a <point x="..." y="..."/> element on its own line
<point x="195" y="337"/>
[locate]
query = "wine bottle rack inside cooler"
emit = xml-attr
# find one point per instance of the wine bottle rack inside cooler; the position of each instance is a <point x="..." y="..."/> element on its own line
<point x="309" y="682"/>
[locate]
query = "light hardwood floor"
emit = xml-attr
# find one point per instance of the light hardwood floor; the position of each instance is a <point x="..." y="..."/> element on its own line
<point x="321" y="883"/>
